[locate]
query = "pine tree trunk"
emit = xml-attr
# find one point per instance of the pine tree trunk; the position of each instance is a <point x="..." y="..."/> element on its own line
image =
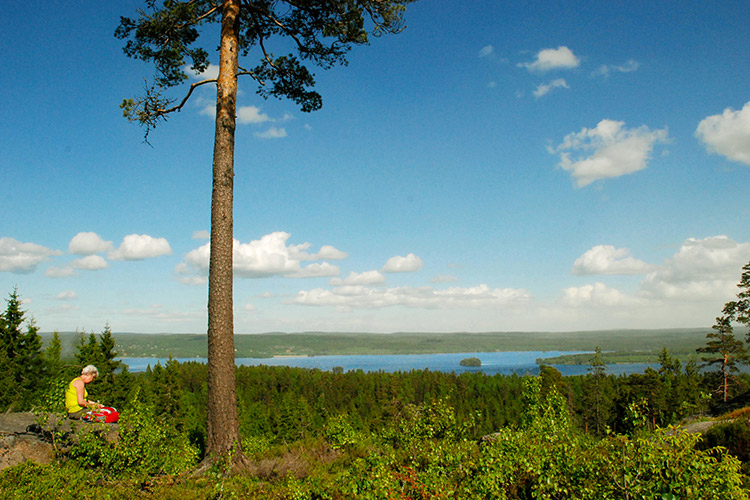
<point x="725" y="373"/>
<point x="223" y="439"/>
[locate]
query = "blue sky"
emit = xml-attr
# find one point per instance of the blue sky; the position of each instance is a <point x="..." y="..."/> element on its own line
<point x="536" y="166"/>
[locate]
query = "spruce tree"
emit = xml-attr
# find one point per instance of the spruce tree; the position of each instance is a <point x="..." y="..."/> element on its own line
<point x="22" y="364"/>
<point x="597" y="400"/>
<point x="100" y="352"/>
<point x="53" y="359"/>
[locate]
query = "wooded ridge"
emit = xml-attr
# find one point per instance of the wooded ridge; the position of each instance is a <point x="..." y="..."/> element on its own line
<point x="637" y="345"/>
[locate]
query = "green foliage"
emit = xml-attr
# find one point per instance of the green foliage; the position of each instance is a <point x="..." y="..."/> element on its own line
<point x="545" y="460"/>
<point x="58" y="481"/>
<point x="739" y="310"/>
<point x="597" y="404"/>
<point x="667" y="464"/>
<point x="622" y="345"/>
<point x="53" y="357"/>
<point x="551" y="379"/>
<point x="114" y="383"/>
<point x="473" y="361"/>
<point x="415" y="450"/>
<point x="538" y="459"/>
<point x="52" y="399"/>
<point x="724" y="352"/>
<point x="323" y="34"/>
<point x="422" y="453"/>
<point x="341" y="433"/>
<point x="147" y="444"/>
<point x="733" y="435"/>
<point x="22" y="364"/>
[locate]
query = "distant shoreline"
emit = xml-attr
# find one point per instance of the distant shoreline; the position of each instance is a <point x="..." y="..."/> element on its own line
<point x="630" y="344"/>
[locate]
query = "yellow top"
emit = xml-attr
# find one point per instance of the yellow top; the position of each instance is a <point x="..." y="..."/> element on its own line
<point x="71" y="397"/>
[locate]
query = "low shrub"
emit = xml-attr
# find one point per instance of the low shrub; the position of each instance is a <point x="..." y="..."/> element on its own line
<point x="147" y="445"/>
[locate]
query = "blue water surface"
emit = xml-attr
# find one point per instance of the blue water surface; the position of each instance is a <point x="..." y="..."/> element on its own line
<point x="505" y="363"/>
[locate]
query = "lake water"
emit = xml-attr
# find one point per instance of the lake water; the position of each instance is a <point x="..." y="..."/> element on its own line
<point x="505" y="363"/>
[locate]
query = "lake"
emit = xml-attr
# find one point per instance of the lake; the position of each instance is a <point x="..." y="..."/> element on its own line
<point x="505" y="363"/>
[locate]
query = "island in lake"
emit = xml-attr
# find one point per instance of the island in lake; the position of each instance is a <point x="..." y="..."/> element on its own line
<point x="471" y="362"/>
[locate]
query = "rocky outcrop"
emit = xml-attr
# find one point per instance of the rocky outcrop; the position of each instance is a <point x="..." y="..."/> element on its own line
<point x="27" y="436"/>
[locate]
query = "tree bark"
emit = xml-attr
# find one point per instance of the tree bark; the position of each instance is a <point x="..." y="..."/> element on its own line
<point x="223" y="439"/>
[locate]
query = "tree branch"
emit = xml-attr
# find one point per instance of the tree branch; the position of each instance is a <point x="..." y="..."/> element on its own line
<point x="265" y="54"/>
<point x="251" y="75"/>
<point x="159" y="112"/>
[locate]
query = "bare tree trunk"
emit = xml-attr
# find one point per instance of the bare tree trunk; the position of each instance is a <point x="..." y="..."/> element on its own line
<point x="223" y="439"/>
<point x="725" y="373"/>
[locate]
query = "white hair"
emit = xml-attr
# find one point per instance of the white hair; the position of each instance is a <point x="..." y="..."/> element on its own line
<point x="90" y="369"/>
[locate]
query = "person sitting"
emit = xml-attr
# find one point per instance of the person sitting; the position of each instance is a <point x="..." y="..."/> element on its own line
<point x="76" y="401"/>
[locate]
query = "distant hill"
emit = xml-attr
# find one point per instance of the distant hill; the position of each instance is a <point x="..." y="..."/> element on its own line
<point x="637" y="344"/>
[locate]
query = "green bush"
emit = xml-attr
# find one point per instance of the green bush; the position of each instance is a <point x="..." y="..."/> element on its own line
<point x="667" y="464"/>
<point x="421" y="451"/>
<point x="147" y="444"/>
<point x="734" y="436"/>
<point x="30" y="480"/>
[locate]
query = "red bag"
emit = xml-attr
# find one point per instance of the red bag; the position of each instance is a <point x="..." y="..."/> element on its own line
<point x="105" y="414"/>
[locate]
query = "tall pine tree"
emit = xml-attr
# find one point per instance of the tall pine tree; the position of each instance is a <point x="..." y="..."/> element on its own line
<point x="739" y="310"/>
<point x="724" y="352"/>
<point x="166" y="34"/>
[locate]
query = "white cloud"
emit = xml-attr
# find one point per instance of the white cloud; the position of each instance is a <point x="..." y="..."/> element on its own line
<point x="689" y="289"/>
<point x="63" y="309"/>
<point x="268" y="256"/>
<point x="727" y="134"/>
<point x="272" y="133"/>
<point x="190" y="276"/>
<point x="487" y="51"/>
<point x="360" y="279"/>
<point x="60" y="272"/>
<point x="328" y="252"/>
<point x="551" y="59"/>
<point x="316" y="270"/>
<point x="606" y="69"/>
<point x="158" y="313"/>
<point x="544" y="89"/>
<point x="212" y="72"/>
<point x="201" y="235"/>
<point x="90" y="263"/>
<point x="606" y="259"/>
<point x="399" y="264"/>
<point x="702" y="269"/>
<point x="356" y="297"/>
<point x="208" y="110"/>
<point x="18" y="257"/>
<point x="139" y="247"/>
<point x="444" y="278"/>
<point x="251" y="114"/>
<point x="88" y="244"/>
<point x="607" y="151"/>
<point x="245" y="115"/>
<point x="67" y="295"/>
<point x="594" y="295"/>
